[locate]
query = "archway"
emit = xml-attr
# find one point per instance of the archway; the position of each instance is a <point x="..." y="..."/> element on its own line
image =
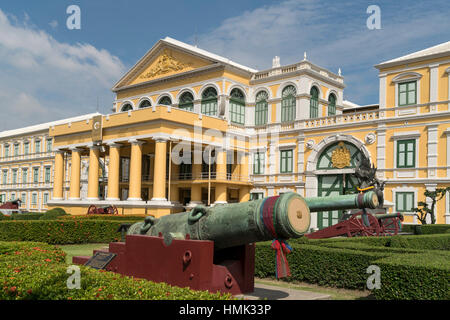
<point x="330" y="169"/>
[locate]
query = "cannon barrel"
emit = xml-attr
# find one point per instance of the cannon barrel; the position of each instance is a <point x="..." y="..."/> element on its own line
<point x="228" y="225"/>
<point x="368" y="200"/>
<point x="389" y="215"/>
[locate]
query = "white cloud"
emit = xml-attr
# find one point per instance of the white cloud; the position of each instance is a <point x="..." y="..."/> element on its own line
<point x="43" y="79"/>
<point x="334" y="35"/>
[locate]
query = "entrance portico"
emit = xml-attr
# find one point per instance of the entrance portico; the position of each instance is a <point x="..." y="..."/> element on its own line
<point x="140" y="167"/>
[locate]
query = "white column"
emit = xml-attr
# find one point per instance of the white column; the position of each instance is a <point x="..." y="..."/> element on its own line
<point x="300" y="153"/>
<point x="381" y="151"/>
<point x="432" y="150"/>
<point x="433" y="86"/>
<point x="382" y="93"/>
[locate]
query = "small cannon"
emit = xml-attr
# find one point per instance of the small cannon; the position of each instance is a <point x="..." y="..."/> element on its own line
<point x="213" y="248"/>
<point x="362" y="223"/>
<point x="10" y="207"/>
<point x="102" y="210"/>
<point x="13" y="204"/>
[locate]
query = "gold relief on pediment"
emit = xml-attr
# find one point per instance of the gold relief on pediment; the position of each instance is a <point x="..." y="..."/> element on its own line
<point x="165" y="63"/>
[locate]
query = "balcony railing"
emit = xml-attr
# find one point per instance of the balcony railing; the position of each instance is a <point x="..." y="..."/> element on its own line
<point x="30" y="156"/>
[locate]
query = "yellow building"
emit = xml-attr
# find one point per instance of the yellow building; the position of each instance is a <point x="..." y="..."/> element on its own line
<point x="26" y="165"/>
<point x="244" y="133"/>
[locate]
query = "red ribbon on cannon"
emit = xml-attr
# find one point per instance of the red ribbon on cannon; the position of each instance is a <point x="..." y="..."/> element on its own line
<point x="281" y="247"/>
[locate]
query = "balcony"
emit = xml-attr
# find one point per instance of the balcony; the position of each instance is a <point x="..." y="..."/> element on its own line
<point x="26" y="157"/>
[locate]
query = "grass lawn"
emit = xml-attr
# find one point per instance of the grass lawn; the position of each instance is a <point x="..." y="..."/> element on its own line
<point x="80" y="250"/>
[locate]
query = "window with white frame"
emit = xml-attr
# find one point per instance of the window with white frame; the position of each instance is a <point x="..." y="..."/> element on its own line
<point x="258" y="162"/>
<point x="34" y="199"/>
<point x="256" y="195"/>
<point x="406" y="153"/>
<point x="14" y="176"/>
<point x="5" y="177"/>
<point x="37" y="146"/>
<point x="404" y="201"/>
<point x="24" y="175"/>
<point x="47" y="174"/>
<point x="407" y="93"/>
<point x="45" y="200"/>
<point x="23" y="198"/>
<point x="35" y="175"/>
<point x="286" y="161"/>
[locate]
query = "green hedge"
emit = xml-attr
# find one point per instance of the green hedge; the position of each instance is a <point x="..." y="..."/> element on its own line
<point x="104" y="217"/>
<point x="53" y="214"/>
<point x="36" y="271"/>
<point x="343" y="263"/>
<point x="61" y="232"/>
<point x="431" y="241"/>
<point x="26" y="216"/>
<point x="414" y="276"/>
<point x="335" y="267"/>
<point x="428" y="228"/>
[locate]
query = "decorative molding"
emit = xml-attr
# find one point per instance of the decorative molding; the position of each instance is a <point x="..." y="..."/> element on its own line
<point x="165" y="63"/>
<point x="370" y="138"/>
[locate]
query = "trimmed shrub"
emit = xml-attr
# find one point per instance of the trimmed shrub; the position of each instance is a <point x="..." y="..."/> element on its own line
<point x="61" y="232"/>
<point x="414" y="276"/>
<point x="427" y="228"/>
<point x="53" y="214"/>
<point x="26" y="216"/>
<point x="4" y="217"/>
<point x="430" y="241"/>
<point x="36" y="271"/>
<point x="105" y="217"/>
<point x="335" y="267"/>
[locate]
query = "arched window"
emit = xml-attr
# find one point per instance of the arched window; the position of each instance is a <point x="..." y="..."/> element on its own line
<point x="332" y="105"/>
<point x="145" y="104"/>
<point x="237" y="106"/>
<point x="126" y="107"/>
<point x="209" y="102"/>
<point x="186" y="101"/>
<point x="314" y="103"/>
<point x="288" y="104"/>
<point x="261" y="108"/>
<point x="166" y="101"/>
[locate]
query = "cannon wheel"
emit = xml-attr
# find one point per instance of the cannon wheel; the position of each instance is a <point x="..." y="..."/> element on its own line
<point x="389" y="227"/>
<point x="356" y="226"/>
<point x="92" y="209"/>
<point x="112" y="210"/>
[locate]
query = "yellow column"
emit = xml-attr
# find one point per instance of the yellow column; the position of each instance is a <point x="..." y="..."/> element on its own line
<point x="221" y="193"/>
<point x="94" y="152"/>
<point x="159" y="175"/>
<point x="75" y="175"/>
<point x="244" y="191"/>
<point x="135" y="170"/>
<point x="221" y="164"/>
<point x="221" y="169"/>
<point x="113" y="172"/>
<point x="58" y="176"/>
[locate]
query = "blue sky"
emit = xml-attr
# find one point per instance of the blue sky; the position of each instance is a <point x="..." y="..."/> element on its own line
<point x="48" y="72"/>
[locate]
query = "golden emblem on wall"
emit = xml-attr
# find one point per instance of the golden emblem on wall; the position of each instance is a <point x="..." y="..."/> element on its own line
<point x="340" y="158"/>
<point x="166" y="63"/>
<point x="97" y="128"/>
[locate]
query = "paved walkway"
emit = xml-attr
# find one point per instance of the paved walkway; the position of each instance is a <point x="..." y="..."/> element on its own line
<point x="269" y="292"/>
